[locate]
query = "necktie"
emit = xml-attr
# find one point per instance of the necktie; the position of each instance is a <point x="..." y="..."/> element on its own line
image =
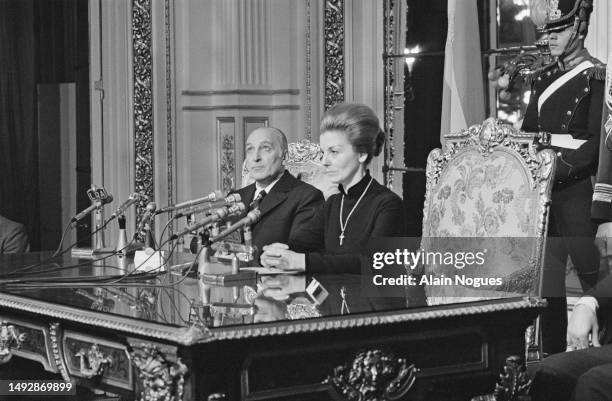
<point x="257" y="201"/>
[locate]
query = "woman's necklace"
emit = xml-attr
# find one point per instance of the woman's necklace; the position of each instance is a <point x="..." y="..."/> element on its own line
<point x="343" y="224"/>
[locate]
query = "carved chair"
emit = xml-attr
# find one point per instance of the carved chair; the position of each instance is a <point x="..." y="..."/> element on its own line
<point x="490" y="188"/>
<point x="304" y="162"/>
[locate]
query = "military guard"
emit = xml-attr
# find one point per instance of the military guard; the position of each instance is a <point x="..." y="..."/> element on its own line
<point x="565" y="108"/>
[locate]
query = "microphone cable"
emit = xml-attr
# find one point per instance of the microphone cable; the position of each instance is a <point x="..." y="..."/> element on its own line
<point x="55" y="254"/>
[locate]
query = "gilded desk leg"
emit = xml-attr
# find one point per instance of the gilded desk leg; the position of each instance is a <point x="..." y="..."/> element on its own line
<point x="533" y="348"/>
<point x="10" y="338"/>
<point x="55" y="335"/>
<point x="373" y="375"/>
<point x="161" y="373"/>
<point x="514" y="383"/>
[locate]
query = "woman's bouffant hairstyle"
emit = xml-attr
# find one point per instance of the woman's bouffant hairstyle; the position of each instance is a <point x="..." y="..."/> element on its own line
<point x="359" y="123"/>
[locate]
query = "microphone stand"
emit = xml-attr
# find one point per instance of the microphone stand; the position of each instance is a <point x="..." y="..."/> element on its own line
<point x="99" y="235"/>
<point x="99" y="241"/>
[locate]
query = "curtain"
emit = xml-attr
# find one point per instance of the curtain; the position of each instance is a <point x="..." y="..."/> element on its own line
<point x="18" y="135"/>
<point x="39" y="44"/>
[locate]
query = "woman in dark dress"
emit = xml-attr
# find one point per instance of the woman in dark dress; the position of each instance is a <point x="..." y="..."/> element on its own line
<point x="338" y="233"/>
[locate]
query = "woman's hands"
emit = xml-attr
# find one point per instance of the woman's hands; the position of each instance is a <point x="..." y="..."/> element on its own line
<point x="281" y="257"/>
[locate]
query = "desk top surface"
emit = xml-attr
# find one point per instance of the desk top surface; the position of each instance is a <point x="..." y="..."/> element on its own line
<point x="175" y="305"/>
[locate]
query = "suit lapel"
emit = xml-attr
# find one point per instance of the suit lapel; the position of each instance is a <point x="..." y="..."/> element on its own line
<point x="246" y="194"/>
<point x="278" y="194"/>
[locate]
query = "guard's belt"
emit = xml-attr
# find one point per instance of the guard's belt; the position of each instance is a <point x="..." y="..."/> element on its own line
<point x="565" y="141"/>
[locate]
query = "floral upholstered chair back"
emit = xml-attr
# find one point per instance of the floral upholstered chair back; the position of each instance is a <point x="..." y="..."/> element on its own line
<point x="304" y="162"/>
<point x="488" y="191"/>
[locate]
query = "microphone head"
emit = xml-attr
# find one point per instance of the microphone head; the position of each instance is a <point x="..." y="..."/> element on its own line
<point x="233" y="198"/>
<point x="230" y="210"/>
<point x="254" y="216"/>
<point x="216" y="195"/>
<point x="236" y="208"/>
<point x="151" y="207"/>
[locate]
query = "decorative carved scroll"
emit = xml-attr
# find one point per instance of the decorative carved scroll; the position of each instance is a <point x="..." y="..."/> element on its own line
<point x="93" y="362"/>
<point x="374" y="375"/>
<point x="161" y="378"/>
<point x="10" y="338"/>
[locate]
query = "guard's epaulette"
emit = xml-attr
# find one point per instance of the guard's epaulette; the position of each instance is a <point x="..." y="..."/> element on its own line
<point x="529" y="78"/>
<point x="598" y="71"/>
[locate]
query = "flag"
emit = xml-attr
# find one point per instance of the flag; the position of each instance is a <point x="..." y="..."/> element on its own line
<point x="602" y="193"/>
<point x="607" y="112"/>
<point x="463" y="88"/>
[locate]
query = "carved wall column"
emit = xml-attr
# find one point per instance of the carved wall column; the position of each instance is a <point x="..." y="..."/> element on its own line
<point x="394" y="43"/>
<point x="333" y="28"/>
<point x="142" y="68"/>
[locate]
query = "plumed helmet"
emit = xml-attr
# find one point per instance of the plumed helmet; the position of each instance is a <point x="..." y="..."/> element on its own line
<point x="561" y="14"/>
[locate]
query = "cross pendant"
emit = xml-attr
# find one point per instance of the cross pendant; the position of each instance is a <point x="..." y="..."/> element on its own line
<point x="341" y="236"/>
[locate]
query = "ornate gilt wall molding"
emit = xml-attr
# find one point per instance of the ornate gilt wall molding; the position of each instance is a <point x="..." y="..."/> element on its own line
<point x="308" y="78"/>
<point x="168" y="37"/>
<point x="242" y="107"/>
<point x="389" y="83"/>
<point x="142" y="68"/>
<point x="333" y="33"/>
<point x="256" y="92"/>
<point x="226" y="138"/>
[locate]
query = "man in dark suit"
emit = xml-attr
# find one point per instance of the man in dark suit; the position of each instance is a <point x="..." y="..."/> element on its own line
<point x="584" y="374"/>
<point x="13" y="237"/>
<point x="285" y="202"/>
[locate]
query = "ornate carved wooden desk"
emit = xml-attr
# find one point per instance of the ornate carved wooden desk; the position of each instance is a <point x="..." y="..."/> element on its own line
<point x="172" y="337"/>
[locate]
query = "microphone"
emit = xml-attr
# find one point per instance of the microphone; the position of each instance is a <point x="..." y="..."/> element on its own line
<point x="228" y="200"/>
<point x="96" y="204"/>
<point x="133" y="198"/>
<point x="211" y="197"/>
<point x="214" y="217"/>
<point x="251" y="218"/>
<point x="149" y="212"/>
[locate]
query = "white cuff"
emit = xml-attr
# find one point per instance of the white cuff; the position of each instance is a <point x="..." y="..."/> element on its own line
<point x="589" y="301"/>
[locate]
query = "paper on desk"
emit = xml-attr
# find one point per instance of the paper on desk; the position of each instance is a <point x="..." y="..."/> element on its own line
<point x="267" y="271"/>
